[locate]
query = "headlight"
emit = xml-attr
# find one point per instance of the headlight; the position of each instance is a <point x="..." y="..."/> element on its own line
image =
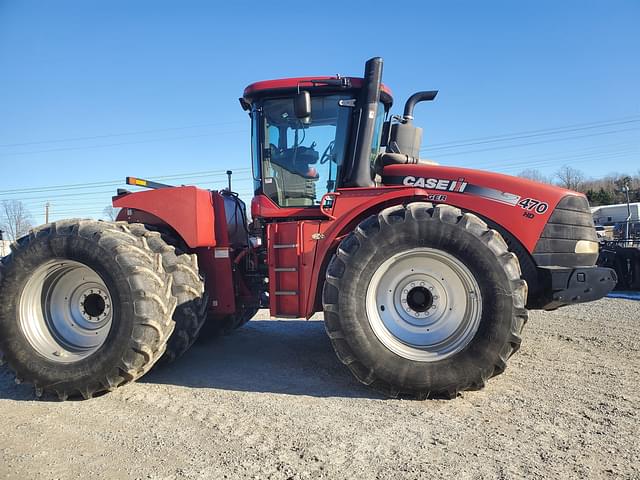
<point x="586" y="246"/>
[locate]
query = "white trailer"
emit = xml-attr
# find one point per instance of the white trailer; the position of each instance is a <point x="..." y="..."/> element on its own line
<point x="613" y="214"/>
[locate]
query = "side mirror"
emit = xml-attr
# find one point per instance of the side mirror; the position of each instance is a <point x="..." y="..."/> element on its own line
<point x="302" y="105"/>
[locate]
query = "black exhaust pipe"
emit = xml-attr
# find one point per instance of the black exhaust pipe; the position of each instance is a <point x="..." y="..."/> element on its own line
<point x="405" y="138"/>
<point x="360" y="173"/>
<point x="415" y="98"/>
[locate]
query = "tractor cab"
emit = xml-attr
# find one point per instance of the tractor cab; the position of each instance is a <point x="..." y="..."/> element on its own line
<point x="304" y="137"/>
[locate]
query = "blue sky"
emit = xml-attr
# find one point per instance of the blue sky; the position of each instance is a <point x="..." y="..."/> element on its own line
<point x="94" y="91"/>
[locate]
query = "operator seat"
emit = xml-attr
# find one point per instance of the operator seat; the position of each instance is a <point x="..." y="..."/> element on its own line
<point x="295" y="178"/>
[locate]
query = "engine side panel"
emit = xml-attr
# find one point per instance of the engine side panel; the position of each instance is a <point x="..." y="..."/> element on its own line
<point x="521" y="206"/>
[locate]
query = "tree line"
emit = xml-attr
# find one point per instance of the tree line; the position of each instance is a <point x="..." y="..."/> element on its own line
<point x="607" y="190"/>
<point x="16" y="219"/>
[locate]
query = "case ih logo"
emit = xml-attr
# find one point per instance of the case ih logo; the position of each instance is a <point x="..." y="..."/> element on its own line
<point x="436" y="183"/>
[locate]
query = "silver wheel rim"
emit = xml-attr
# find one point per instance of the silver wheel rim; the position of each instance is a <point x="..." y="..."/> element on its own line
<point x="65" y="311"/>
<point x="424" y="304"/>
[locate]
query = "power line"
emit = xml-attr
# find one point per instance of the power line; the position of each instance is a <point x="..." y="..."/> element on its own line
<point x="575" y="137"/>
<point x="583" y="160"/>
<point x="536" y="158"/>
<point x="532" y="133"/>
<point x="119" y="134"/>
<point x="87" y="147"/>
<point x="73" y="186"/>
<point x="95" y="196"/>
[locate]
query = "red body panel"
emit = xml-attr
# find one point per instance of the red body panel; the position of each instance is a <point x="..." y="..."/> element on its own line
<point x="188" y="210"/>
<point x="263" y="207"/>
<point x="491" y="195"/>
<point x="291" y="251"/>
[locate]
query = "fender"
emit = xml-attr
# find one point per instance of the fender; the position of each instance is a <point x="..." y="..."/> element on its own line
<point x="187" y="210"/>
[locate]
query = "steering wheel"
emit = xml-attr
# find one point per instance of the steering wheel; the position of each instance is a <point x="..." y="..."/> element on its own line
<point x="328" y="153"/>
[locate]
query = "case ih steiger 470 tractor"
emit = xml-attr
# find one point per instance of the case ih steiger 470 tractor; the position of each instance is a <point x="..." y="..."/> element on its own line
<point x="424" y="272"/>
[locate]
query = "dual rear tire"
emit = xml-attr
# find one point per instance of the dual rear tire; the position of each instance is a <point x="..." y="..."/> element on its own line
<point x="88" y="306"/>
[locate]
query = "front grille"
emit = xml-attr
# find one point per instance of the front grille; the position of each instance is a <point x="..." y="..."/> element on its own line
<point x="570" y="221"/>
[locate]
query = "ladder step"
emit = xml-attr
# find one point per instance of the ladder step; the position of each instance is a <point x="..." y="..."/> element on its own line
<point x="285" y="269"/>
<point x="285" y="245"/>
<point x="286" y="292"/>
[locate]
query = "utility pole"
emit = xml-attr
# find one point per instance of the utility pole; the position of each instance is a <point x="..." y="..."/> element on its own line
<point x="46" y="212"/>
<point x="626" y="190"/>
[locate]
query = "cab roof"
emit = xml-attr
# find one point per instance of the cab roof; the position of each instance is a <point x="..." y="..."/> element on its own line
<point x="283" y="86"/>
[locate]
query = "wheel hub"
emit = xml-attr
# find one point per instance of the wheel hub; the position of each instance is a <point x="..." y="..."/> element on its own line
<point x="419" y="299"/>
<point x="66" y="311"/>
<point x="424" y="304"/>
<point x="94" y="305"/>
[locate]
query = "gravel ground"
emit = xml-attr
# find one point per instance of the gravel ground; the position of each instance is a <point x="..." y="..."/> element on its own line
<point x="272" y="401"/>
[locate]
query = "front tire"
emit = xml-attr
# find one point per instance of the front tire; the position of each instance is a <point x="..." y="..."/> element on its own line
<point x="423" y="301"/>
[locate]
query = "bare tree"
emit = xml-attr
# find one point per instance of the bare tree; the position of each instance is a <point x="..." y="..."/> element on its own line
<point x="570" y="178"/>
<point x="110" y="212"/>
<point x="535" y="175"/>
<point x="15" y="219"/>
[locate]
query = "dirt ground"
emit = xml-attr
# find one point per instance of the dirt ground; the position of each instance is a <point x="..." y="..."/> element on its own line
<point x="272" y="401"/>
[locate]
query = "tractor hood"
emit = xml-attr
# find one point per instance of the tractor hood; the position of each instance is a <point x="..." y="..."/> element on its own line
<point x="517" y="204"/>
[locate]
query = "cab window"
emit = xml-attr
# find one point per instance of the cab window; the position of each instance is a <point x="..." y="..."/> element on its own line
<point x="301" y="160"/>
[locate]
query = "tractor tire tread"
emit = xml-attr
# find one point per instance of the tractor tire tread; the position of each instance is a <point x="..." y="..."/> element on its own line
<point x="187" y="287"/>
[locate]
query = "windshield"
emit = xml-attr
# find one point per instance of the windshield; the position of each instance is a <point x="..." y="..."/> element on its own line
<point x="301" y="160"/>
<point x="377" y="132"/>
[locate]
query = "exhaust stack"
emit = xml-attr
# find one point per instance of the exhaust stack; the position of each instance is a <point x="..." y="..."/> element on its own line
<point x="360" y="173"/>
<point x="406" y="138"/>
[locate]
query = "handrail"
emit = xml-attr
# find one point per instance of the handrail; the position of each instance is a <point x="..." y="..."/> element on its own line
<point x="324" y="198"/>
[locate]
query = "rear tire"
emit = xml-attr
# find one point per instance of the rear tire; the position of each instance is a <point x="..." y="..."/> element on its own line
<point x="423" y="301"/>
<point x="42" y="273"/>
<point x="187" y="286"/>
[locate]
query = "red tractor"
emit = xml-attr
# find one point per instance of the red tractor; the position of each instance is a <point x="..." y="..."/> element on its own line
<point x="424" y="272"/>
